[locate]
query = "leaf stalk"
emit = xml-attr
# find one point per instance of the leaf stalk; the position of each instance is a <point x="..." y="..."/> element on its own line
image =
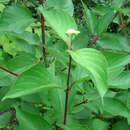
<point x="8" y="71"/>
<point x="43" y="33"/>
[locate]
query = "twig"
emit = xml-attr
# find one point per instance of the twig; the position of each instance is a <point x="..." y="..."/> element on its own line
<point x="127" y="67"/>
<point x="67" y="92"/>
<point x="8" y="71"/>
<point x="63" y="69"/>
<point x="123" y="29"/>
<point x="43" y="34"/>
<point x="83" y="102"/>
<point x="57" y="128"/>
<point x="71" y="85"/>
<point x="122" y="24"/>
<point x="93" y="42"/>
<point x="116" y="14"/>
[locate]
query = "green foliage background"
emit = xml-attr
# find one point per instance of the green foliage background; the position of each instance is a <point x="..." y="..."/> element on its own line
<point x="33" y="84"/>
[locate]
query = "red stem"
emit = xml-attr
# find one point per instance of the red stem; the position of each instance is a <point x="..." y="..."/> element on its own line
<point x="127" y="67"/>
<point x="93" y="42"/>
<point x="43" y="33"/>
<point x="122" y="24"/>
<point x="57" y="128"/>
<point x="116" y="14"/>
<point x="8" y="71"/>
<point x="123" y="29"/>
<point x="67" y="92"/>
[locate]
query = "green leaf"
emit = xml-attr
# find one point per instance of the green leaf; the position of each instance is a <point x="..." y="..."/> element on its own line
<point x="31" y="81"/>
<point x="83" y="38"/>
<point x="21" y="62"/>
<point x="66" y="5"/>
<point x="101" y="9"/>
<point x="122" y="81"/>
<point x="5" y="81"/>
<point x="4" y="1"/>
<point x="120" y="125"/>
<point x="114" y="42"/>
<point x="96" y="124"/>
<point x="15" y="18"/>
<point x="56" y="97"/>
<point x="117" y="3"/>
<point x="4" y="119"/>
<point x="95" y="63"/>
<point x="1" y="7"/>
<point x="114" y="73"/>
<point x="28" y="121"/>
<point x="126" y="11"/>
<point x="30" y="38"/>
<point x="6" y="104"/>
<point x="79" y="74"/>
<point x="91" y="19"/>
<point x="116" y="107"/>
<point x="9" y="45"/>
<point x="128" y="104"/>
<point x="33" y="98"/>
<point x="128" y="101"/>
<point x="17" y="128"/>
<point x="58" y="53"/>
<point x="104" y="21"/>
<point x="73" y="124"/>
<point x="3" y="91"/>
<point x="116" y="60"/>
<point x="56" y="18"/>
<point x="28" y="48"/>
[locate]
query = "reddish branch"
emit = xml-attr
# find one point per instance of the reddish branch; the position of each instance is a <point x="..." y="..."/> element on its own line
<point x="93" y="42"/>
<point x="8" y="71"/>
<point x="67" y="92"/>
<point x="123" y="29"/>
<point x="122" y="24"/>
<point x="57" y="128"/>
<point x="63" y="69"/>
<point x="123" y="4"/>
<point x="83" y="102"/>
<point x="43" y="33"/>
<point x="71" y="85"/>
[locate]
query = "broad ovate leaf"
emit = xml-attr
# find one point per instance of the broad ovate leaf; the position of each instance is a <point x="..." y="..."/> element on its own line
<point x="66" y="5"/>
<point x="121" y="125"/>
<point x="4" y="1"/>
<point x="95" y="63"/>
<point x="122" y="81"/>
<point x="15" y="18"/>
<point x="2" y="6"/>
<point x="116" y="107"/>
<point x="74" y="124"/>
<point x="97" y="124"/>
<point x="29" y="121"/>
<point x="113" y="41"/>
<point x="59" y="21"/>
<point x="4" y="119"/>
<point x="104" y="21"/>
<point x="116" y="60"/>
<point x="90" y="18"/>
<point x="33" y="80"/>
<point x="21" y="62"/>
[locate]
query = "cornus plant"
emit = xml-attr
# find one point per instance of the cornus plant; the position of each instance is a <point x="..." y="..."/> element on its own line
<point x="64" y="65"/>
